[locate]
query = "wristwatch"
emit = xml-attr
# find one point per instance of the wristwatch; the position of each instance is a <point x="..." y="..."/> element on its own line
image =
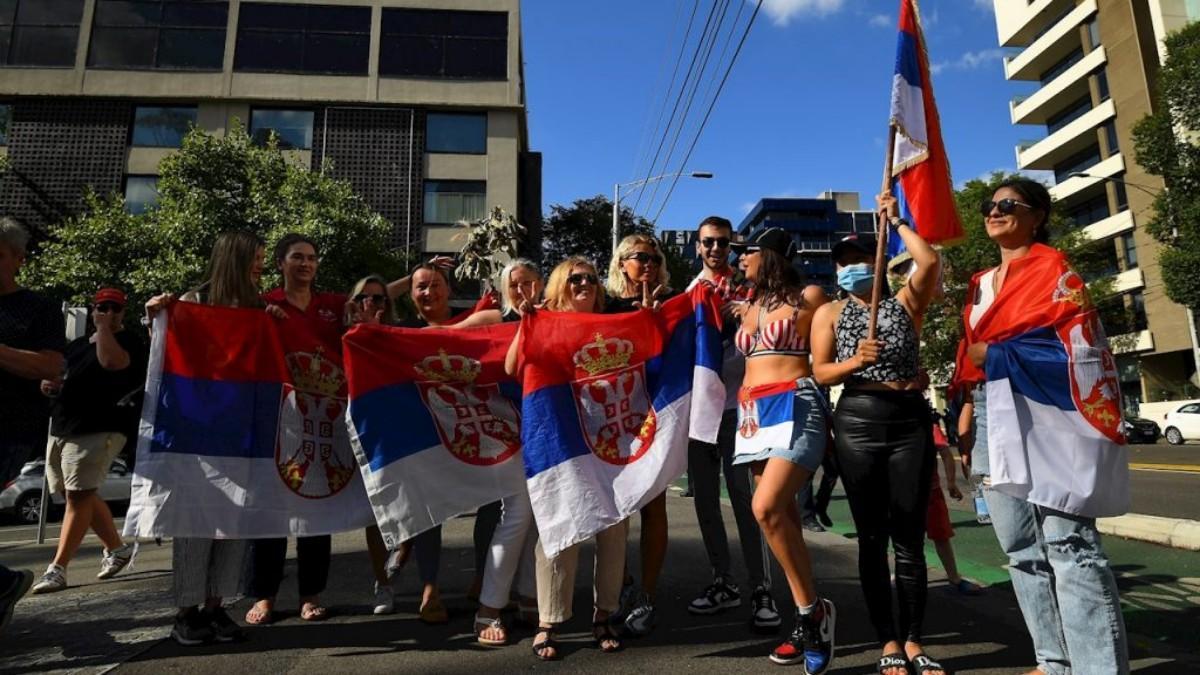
<point x="897" y="222"/>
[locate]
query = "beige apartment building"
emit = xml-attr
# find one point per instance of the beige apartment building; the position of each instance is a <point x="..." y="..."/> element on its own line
<point x="1092" y="64"/>
<point x="420" y="104"/>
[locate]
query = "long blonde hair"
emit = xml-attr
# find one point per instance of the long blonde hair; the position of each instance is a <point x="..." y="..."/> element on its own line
<point x="558" y="295"/>
<point x="229" y="281"/>
<point x="389" y="310"/>
<point x="617" y="283"/>
<point x="506" y="303"/>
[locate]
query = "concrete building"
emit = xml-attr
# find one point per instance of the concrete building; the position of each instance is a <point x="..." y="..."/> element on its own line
<point x="1092" y="65"/>
<point x="419" y="104"/>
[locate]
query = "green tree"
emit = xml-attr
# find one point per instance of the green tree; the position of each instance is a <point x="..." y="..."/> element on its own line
<point x="585" y="228"/>
<point x="212" y="184"/>
<point x="1166" y="145"/>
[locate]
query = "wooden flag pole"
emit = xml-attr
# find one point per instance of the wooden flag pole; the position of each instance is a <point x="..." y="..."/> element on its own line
<point x="881" y="239"/>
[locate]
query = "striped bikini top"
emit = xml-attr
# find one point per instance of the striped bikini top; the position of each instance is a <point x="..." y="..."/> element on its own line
<point x="777" y="338"/>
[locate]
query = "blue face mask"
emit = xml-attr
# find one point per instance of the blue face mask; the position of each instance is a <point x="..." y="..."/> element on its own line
<point x="857" y="279"/>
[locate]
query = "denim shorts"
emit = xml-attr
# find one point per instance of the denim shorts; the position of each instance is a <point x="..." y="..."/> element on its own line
<point x="810" y="430"/>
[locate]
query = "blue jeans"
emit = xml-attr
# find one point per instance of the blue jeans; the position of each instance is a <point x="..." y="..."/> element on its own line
<point x="1060" y="575"/>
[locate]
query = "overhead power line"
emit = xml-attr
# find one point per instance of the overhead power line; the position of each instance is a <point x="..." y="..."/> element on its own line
<point x="643" y="146"/>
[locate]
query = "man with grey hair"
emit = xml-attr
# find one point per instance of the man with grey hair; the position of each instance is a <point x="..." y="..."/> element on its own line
<point x="32" y="339"/>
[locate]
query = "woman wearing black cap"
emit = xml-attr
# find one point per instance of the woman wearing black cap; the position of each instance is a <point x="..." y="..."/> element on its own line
<point x="882" y="431"/>
<point x="781" y="428"/>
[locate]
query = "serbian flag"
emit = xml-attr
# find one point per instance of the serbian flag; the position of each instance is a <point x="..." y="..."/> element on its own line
<point x="241" y="438"/>
<point x="1055" y="434"/>
<point x="920" y="169"/>
<point x="609" y="402"/>
<point x="434" y="421"/>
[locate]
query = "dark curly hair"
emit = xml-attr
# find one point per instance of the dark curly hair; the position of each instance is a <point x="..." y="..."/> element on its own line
<point x="779" y="281"/>
<point x="1036" y="195"/>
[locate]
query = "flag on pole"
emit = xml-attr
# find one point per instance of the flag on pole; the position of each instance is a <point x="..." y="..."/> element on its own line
<point x="434" y="421"/>
<point x="920" y="168"/>
<point x="609" y="401"/>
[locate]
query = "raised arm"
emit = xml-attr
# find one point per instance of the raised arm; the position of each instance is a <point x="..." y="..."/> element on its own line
<point x="511" y="358"/>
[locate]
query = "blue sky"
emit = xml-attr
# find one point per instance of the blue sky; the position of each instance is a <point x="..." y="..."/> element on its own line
<point x="805" y="108"/>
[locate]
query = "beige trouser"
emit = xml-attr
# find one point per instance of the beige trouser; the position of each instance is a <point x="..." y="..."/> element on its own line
<point x="556" y="576"/>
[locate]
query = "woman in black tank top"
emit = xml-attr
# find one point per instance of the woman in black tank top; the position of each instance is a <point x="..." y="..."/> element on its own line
<point x="882" y="432"/>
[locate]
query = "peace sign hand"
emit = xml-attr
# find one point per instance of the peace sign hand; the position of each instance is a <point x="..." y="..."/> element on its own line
<point x="527" y="305"/>
<point x="649" y="298"/>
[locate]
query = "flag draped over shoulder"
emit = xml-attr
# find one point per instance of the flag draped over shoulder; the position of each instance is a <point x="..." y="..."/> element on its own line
<point x="1055" y="434"/>
<point x="920" y="168"/>
<point x="242" y="433"/>
<point x="434" y="422"/>
<point x="609" y="401"/>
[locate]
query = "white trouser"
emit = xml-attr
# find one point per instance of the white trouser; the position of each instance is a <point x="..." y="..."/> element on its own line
<point x="511" y="554"/>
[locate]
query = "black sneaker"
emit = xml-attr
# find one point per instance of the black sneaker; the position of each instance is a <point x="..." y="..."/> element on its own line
<point x="811" y="641"/>
<point x="223" y="628"/>
<point x="765" y="617"/>
<point x="811" y="524"/>
<point x="192" y="628"/>
<point x="718" y="597"/>
<point x="16" y="588"/>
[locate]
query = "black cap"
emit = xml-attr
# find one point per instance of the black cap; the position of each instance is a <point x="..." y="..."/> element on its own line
<point x="772" y="239"/>
<point x="864" y="243"/>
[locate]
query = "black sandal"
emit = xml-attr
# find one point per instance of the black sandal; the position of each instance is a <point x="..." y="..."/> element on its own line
<point x="925" y="664"/>
<point x="602" y="632"/>
<point x="893" y="660"/>
<point x="539" y="648"/>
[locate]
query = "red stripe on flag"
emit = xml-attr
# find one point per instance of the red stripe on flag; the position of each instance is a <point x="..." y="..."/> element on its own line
<point x="223" y="343"/>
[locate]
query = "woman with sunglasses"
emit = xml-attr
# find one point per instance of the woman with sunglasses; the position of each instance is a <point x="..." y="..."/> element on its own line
<point x="774" y="338"/>
<point x="882" y="431"/>
<point x="1060" y="573"/>
<point x="207" y="570"/>
<point x="637" y="277"/>
<point x="574" y="287"/>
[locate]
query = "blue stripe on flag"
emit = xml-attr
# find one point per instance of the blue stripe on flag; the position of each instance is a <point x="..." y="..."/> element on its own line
<point x="709" y="350"/>
<point x="550" y="429"/>
<point x="1036" y="367"/>
<point x="404" y="426"/>
<point x="895" y="245"/>
<point x="776" y="409"/>
<point x="216" y="418"/>
<point x="907" y="65"/>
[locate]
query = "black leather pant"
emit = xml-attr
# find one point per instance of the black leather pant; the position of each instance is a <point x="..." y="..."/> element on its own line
<point x="885" y="451"/>
<point x="265" y="559"/>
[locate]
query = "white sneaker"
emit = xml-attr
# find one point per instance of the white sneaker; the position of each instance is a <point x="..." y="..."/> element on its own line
<point x="385" y="599"/>
<point x="55" y="579"/>
<point x="115" y="561"/>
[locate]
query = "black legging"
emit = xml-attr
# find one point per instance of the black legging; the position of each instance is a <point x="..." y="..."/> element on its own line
<point x="265" y="558"/>
<point x="885" y="452"/>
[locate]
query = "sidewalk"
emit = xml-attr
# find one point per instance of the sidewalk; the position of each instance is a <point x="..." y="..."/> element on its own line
<point x="95" y="626"/>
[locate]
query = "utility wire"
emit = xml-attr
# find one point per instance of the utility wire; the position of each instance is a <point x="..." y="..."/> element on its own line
<point x="643" y="146"/>
<point x="711" y="105"/>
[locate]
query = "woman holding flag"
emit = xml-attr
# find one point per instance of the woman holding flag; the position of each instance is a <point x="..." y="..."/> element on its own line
<point x="782" y="429"/>
<point x="1039" y="379"/>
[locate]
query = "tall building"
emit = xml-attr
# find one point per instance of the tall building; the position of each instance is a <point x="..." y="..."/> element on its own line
<point x="419" y="104"/>
<point x="1092" y="66"/>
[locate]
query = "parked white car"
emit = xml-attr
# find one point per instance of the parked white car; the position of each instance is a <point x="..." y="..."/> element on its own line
<point x="22" y="496"/>
<point x="1182" y="424"/>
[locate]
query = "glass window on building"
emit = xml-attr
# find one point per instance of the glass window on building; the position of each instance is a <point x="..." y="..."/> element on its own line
<point x="1092" y="211"/>
<point x="1137" y="310"/>
<point x="1080" y="162"/>
<point x="1122" y="197"/>
<point x="453" y="201"/>
<point x="159" y="35"/>
<point x="1062" y="119"/>
<point x="5" y="118"/>
<point x="41" y="33"/>
<point x="1093" y="29"/>
<point x="293" y="128"/>
<point x="444" y="44"/>
<point x="456" y="132"/>
<point x="1110" y="137"/>
<point x="313" y="39"/>
<point x="1102" y="84"/>
<point x="160" y="127"/>
<point x="1129" y="246"/>
<point x="141" y="193"/>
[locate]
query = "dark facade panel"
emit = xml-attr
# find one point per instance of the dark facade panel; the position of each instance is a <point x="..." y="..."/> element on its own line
<point x="529" y="204"/>
<point x="379" y="150"/>
<point x="57" y="149"/>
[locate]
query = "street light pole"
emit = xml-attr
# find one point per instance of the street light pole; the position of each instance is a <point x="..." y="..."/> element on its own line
<point x="616" y="218"/>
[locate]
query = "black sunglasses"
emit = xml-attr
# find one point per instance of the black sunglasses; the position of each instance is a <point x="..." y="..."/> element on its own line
<point x="580" y="279"/>
<point x="376" y="298"/>
<point x="1004" y="206"/>
<point x="719" y="242"/>
<point x="109" y="307"/>
<point x="643" y="257"/>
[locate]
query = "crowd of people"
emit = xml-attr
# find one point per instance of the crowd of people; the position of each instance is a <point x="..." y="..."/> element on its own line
<point x="784" y="340"/>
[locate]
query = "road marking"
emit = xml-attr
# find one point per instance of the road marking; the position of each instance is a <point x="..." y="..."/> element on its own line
<point x="1182" y="468"/>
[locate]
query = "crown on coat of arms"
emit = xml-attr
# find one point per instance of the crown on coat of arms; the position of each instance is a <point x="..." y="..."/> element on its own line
<point x="603" y="354"/>
<point x="448" y="368"/>
<point x="315" y="374"/>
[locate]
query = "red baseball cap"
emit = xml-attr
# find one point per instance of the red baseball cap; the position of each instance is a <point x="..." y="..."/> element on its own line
<point x="109" y="295"/>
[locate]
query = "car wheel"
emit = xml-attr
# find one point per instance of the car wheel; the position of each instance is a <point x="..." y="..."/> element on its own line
<point x="29" y="508"/>
<point x="1173" y="436"/>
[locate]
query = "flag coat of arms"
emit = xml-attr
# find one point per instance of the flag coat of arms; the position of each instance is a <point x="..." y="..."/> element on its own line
<point x="609" y="403"/>
<point x="242" y="433"/>
<point x="766" y="418"/>
<point x="920" y="168"/>
<point x="435" y="422"/>
<point x="1055" y="432"/>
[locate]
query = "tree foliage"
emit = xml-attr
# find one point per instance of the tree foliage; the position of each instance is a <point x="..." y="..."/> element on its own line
<point x="1167" y="144"/>
<point x="585" y="228"/>
<point x="490" y="241"/>
<point x="210" y="185"/>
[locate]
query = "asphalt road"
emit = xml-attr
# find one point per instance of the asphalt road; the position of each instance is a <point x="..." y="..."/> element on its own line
<point x="1165" y="480"/>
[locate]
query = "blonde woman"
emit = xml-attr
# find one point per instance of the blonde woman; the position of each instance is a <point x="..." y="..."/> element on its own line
<point x="574" y="286"/>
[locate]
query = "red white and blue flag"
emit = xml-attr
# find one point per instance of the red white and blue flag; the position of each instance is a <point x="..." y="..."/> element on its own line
<point x="1055" y="435"/>
<point x="920" y="169"/>
<point x="609" y="402"/>
<point x="242" y="433"/>
<point x="434" y="421"/>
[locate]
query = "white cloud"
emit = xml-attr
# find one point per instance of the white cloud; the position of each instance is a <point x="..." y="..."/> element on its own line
<point x="969" y="61"/>
<point x="881" y="21"/>
<point x="783" y="11"/>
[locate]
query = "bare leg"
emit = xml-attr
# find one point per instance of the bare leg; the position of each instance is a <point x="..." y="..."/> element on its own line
<point x="378" y="553"/>
<point x="776" y="483"/>
<point x="945" y="553"/>
<point x="76" y="522"/>
<point x="103" y="526"/>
